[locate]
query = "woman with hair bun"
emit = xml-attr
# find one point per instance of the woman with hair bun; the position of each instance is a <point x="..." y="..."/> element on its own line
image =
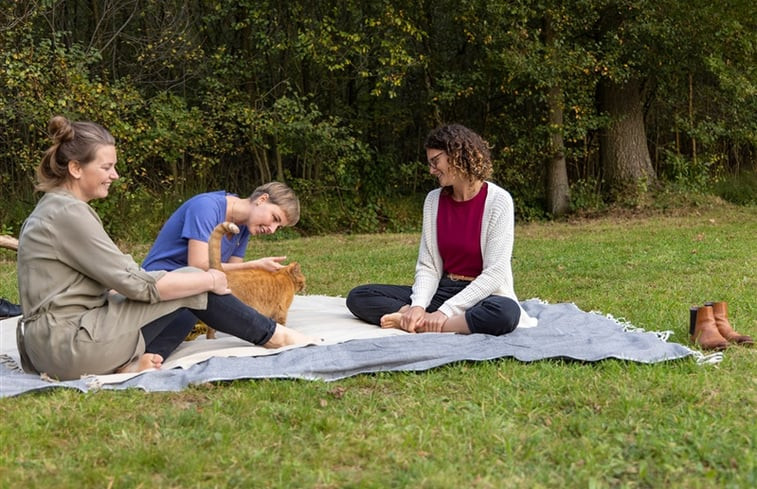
<point x="88" y="308"/>
<point x="463" y="278"/>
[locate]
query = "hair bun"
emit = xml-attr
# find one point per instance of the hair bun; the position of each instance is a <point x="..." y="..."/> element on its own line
<point x="60" y="129"/>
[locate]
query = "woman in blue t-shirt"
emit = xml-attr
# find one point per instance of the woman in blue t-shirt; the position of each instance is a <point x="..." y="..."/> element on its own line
<point x="183" y="240"/>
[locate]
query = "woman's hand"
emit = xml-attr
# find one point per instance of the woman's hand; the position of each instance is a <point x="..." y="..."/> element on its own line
<point x="219" y="284"/>
<point x="433" y="322"/>
<point x="269" y="263"/>
<point x="412" y="319"/>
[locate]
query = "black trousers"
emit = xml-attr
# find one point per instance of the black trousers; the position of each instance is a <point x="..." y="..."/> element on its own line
<point x="225" y="313"/>
<point x="495" y="315"/>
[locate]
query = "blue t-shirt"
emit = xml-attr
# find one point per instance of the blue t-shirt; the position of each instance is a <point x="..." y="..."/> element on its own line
<point x="194" y="219"/>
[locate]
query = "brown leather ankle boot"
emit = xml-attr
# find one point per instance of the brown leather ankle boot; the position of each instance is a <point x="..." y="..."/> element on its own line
<point x="720" y="311"/>
<point x="706" y="333"/>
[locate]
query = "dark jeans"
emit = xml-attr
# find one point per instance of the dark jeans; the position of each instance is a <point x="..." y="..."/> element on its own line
<point x="225" y="313"/>
<point x="494" y="315"/>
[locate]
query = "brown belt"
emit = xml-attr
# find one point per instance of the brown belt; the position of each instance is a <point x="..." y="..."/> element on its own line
<point x="463" y="278"/>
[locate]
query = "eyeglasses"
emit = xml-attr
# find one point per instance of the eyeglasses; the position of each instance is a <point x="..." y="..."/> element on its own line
<point x="432" y="161"/>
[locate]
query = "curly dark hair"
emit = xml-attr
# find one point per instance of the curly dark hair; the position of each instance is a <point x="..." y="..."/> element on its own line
<point x="467" y="152"/>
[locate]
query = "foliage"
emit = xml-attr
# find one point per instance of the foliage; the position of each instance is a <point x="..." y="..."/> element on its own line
<point x="586" y="197"/>
<point x="336" y="97"/>
<point x="741" y="189"/>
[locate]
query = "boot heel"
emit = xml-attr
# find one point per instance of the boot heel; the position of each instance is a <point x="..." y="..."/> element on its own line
<point x="692" y="319"/>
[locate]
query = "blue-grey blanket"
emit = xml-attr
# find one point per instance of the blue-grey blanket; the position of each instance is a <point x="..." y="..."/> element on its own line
<point x="564" y="332"/>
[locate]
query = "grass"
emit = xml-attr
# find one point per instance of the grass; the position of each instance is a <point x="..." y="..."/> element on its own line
<point x="475" y="425"/>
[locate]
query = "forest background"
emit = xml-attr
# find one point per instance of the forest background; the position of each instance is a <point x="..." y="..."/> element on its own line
<point x="588" y="104"/>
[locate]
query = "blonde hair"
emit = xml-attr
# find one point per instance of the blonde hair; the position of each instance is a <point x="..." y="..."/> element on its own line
<point x="72" y="141"/>
<point x="281" y="195"/>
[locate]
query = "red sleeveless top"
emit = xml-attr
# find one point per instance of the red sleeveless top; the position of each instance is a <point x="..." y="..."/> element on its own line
<point x="458" y="233"/>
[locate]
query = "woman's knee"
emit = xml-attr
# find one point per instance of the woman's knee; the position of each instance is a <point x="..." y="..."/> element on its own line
<point x="494" y="315"/>
<point x="355" y="298"/>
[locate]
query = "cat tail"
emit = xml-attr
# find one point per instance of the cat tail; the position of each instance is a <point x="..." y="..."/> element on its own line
<point x="214" y="243"/>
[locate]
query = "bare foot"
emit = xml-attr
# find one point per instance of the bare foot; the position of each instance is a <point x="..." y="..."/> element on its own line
<point x="391" y="320"/>
<point x="146" y="361"/>
<point x="394" y="319"/>
<point x="284" y="336"/>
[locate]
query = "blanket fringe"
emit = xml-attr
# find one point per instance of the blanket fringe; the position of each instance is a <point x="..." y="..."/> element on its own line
<point x="710" y="359"/>
<point x="630" y="328"/>
<point x="701" y="358"/>
<point x="8" y="362"/>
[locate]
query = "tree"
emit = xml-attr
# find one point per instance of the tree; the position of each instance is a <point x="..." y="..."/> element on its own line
<point x="557" y="188"/>
<point x="621" y="33"/>
<point x="337" y="96"/>
<point x="624" y="150"/>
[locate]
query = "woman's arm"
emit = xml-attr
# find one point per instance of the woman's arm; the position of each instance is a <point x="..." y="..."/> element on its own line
<point x="176" y="285"/>
<point x="428" y="267"/>
<point x="269" y="263"/>
<point x="197" y="256"/>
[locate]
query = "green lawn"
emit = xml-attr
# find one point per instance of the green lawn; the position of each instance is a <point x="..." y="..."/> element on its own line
<point x="469" y="425"/>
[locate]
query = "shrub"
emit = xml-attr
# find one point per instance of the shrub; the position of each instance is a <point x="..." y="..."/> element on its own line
<point x="738" y="189"/>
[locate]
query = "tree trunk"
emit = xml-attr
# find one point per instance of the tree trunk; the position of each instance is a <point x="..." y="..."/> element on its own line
<point x="279" y="160"/>
<point x="558" y="191"/>
<point x="261" y="161"/>
<point x="623" y="147"/>
<point x="691" y="121"/>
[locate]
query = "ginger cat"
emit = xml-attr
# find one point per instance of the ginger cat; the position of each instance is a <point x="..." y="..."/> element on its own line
<point x="270" y="293"/>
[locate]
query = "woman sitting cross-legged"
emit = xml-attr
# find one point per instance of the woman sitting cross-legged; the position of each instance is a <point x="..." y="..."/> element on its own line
<point x="88" y="308"/>
<point x="463" y="279"/>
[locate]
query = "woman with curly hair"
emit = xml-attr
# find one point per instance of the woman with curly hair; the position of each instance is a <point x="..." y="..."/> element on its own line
<point x="463" y="279"/>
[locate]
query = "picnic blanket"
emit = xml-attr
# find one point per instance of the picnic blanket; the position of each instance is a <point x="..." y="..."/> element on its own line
<point x="350" y="347"/>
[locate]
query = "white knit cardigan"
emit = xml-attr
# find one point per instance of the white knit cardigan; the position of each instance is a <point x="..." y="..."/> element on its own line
<point x="496" y="278"/>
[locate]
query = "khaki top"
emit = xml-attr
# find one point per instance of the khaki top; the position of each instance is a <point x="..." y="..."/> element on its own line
<point x="84" y="301"/>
